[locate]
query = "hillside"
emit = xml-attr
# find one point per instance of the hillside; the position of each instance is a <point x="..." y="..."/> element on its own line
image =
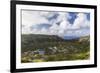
<point x="34" y="41"/>
<point x="41" y="38"/>
<point x="85" y="38"/>
<point x="53" y="46"/>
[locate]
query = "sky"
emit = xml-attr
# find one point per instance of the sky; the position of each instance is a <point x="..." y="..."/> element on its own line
<point x="55" y="23"/>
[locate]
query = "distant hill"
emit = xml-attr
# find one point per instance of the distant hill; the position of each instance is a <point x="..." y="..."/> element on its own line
<point x="41" y="38"/>
<point x="70" y="38"/>
<point x="34" y="41"/>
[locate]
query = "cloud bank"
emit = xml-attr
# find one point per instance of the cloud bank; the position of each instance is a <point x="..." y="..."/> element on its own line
<point x="55" y="23"/>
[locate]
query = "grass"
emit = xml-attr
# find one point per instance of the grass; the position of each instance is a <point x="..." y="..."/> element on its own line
<point x="57" y="57"/>
<point x="66" y="50"/>
<point x="38" y="60"/>
<point x="82" y="56"/>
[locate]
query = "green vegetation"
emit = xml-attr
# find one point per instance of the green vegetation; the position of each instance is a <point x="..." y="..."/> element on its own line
<point x="45" y="48"/>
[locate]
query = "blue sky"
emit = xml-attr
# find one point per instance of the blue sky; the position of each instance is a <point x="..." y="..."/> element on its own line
<point x="56" y="23"/>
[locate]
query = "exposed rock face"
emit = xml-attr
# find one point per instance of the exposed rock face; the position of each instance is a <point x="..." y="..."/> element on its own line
<point x="85" y="38"/>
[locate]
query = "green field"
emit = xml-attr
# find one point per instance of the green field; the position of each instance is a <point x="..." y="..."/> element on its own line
<point x="45" y="48"/>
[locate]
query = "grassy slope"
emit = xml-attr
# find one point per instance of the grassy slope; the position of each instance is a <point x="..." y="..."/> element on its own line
<point x="76" y="50"/>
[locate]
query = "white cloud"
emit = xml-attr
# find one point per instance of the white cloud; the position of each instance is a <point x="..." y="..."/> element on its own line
<point x="33" y="18"/>
<point x="30" y="18"/>
<point x="47" y="14"/>
<point x="63" y="24"/>
<point x="54" y="29"/>
<point x="25" y="30"/>
<point x="81" y="21"/>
